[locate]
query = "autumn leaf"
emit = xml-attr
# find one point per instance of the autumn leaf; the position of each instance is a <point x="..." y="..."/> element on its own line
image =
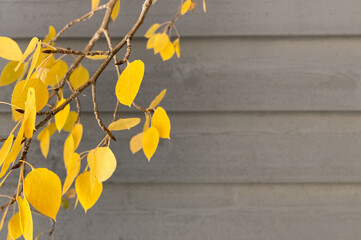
<point x="161" y="122"/>
<point x="51" y="34"/>
<point x="14" y="229"/>
<point x="79" y="77"/>
<point x="150" y="142"/>
<point x="30" y="48"/>
<point x="167" y="52"/>
<point x="68" y="150"/>
<point x="9" y="75"/>
<point x="5" y="149"/>
<point x="152" y="30"/>
<point x="19" y="96"/>
<point x="160" y="42"/>
<point x="86" y="196"/>
<point x="61" y="116"/>
<point x="115" y="11"/>
<point x="72" y="171"/>
<point x="176" y="47"/>
<point x="34" y="60"/>
<point x="9" y="49"/>
<point x="95" y="4"/>
<point x="136" y="143"/>
<point x="45" y="143"/>
<point x="122" y="124"/>
<point x="102" y="161"/>
<point x="185" y="7"/>
<point x="15" y="150"/>
<point x="56" y="73"/>
<point x="30" y="114"/>
<point x="25" y="217"/>
<point x="42" y="188"/>
<point x="70" y="121"/>
<point x="157" y="99"/>
<point x="129" y="82"/>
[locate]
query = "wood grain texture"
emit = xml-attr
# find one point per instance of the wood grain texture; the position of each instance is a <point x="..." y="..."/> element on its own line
<point x="230" y="148"/>
<point x="224" y="18"/>
<point x="214" y="211"/>
<point x="240" y="74"/>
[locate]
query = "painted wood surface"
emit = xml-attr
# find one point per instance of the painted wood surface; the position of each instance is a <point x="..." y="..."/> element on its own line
<point x="241" y="74"/>
<point x="230" y="148"/>
<point x="214" y="211"/>
<point x="226" y="17"/>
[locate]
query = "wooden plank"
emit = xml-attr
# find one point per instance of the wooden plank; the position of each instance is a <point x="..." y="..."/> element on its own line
<point x="241" y="74"/>
<point x="214" y="211"/>
<point x="230" y="148"/>
<point x="229" y="17"/>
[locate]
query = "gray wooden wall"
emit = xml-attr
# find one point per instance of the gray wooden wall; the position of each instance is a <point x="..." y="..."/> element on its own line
<point x="266" y="124"/>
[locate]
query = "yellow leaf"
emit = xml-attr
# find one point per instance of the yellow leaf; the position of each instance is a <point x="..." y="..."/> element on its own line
<point x="204" y="6"/>
<point x="185" y="7"/>
<point x="79" y="77"/>
<point x="45" y="143"/>
<point x="9" y="75"/>
<point x="14" y="228"/>
<point x="115" y="11"/>
<point x="70" y="121"/>
<point x="15" y="150"/>
<point x="95" y="4"/>
<point x="161" y="40"/>
<point x="176" y="47"/>
<point x="42" y="188"/>
<point x="123" y="124"/>
<point x="25" y="218"/>
<point x="136" y="143"/>
<point x="68" y="150"/>
<point x="34" y="60"/>
<point x="150" y="142"/>
<point x="9" y="49"/>
<point x="152" y="30"/>
<point x="151" y="41"/>
<point x="51" y="128"/>
<point x="61" y="116"/>
<point x="129" y="82"/>
<point x="19" y="95"/>
<point x="97" y="57"/>
<point x="30" y="114"/>
<point x="86" y="196"/>
<point x="161" y="122"/>
<point x="51" y="34"/>
<point x="56" y="73"/>
<point x="158" y="99"/>
<point x="4" y="214"/>
<point x="5" y="149"/>
<point x="167" y="52"/>
<point x="71" y="172"/>
<point x="146" y="122"/>
<point x="28" y="51"/>
<point x="77" y="134"/>
<point x="102" y="161"/>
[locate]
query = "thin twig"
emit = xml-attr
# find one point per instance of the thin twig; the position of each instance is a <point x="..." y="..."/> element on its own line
<point x="97" y="116"/>
<point x="110" y="45"/>
<point x="82" y="18"/>
<point x="68" y="51"/>
<point x="127" y="54"/>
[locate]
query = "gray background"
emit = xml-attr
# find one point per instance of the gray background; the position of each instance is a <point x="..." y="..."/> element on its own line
<point x="266" y="126"/>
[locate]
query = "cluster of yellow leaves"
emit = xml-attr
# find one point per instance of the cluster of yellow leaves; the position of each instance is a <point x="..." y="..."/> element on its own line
<point x="160" y="128"/>
<point x="161" y="43"/>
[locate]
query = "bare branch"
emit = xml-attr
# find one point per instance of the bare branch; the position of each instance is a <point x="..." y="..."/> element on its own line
<point x="97" y="116"/>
